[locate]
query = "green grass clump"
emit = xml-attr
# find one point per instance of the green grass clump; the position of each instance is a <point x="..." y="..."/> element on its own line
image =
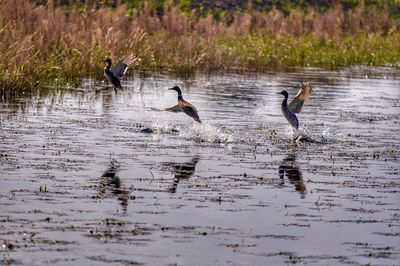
<point x="267" y="52"/>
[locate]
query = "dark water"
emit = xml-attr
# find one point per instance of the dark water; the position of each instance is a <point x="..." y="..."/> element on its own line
<point x="81" y="183"/>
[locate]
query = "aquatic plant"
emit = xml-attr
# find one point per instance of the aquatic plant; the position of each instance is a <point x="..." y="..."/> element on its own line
<point x="43" y="44"/>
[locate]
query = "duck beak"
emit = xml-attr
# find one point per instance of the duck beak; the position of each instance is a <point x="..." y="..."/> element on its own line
<point x="278" y="93"/>
<point x="170" y="89"/>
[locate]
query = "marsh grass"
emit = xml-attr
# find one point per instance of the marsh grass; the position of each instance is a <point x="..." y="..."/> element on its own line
<point x="48" y="45"/>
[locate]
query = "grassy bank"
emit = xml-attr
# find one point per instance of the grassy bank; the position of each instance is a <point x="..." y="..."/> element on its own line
<point x="45" y="45"/>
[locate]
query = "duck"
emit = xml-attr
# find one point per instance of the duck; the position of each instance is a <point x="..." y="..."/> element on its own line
<point x="182" y="106"/>
<point x="115" y="73"/>
<point x="290" y="110"/>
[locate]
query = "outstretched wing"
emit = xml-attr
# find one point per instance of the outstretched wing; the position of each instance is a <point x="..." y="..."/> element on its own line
<point x="173" y="109"/>
<point x="122" y="66"/>
<point x="298" y="101"/>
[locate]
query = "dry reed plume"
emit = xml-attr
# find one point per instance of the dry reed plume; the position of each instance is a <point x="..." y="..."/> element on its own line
<point x="49" y="45"/>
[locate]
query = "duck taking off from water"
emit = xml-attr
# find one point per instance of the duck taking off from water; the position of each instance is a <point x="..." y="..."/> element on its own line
<point x="289" y="111"/>
<point x="182" y="106"/>
<point x="115" y="73"/>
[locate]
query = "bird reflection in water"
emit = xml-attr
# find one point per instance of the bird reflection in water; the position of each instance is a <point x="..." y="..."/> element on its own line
<point x="110" y="184"/>
<point x="181" y="171"/>
<point x="289" y="168"/>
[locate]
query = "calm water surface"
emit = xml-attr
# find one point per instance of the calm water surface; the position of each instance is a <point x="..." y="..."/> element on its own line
<point x="82" y="182"/>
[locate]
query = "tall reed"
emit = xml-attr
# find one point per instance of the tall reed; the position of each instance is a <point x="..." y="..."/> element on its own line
<point x="47" y="45"/>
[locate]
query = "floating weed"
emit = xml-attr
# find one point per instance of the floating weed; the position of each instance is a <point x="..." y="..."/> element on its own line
<point x="375" y="155"/>
<point x="259" y="127"/>
<point x="272" y="134"/>
<point x="8" y="245"/>
<point x="317" y="203"/>
<point x="294" y="259"/>
<point x="43" y="189"/>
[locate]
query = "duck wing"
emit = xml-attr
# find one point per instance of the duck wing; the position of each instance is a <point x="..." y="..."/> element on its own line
<point x="190" y="110"/>
<point x="298" y="101"/>
<point x="173" y="109"/>
<point x="120" y="68"/>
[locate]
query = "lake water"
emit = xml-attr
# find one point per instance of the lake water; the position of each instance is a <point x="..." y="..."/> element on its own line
<point x="93" y="177"/>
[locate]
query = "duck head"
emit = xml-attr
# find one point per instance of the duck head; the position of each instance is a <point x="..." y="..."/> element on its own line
<point x="177" y="89"/>
<point x="284" y="93"/>
<point x="108" y="62"/>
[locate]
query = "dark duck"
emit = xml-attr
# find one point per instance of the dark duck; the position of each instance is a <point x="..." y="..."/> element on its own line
<point x="115" y="73"/>
<point x="182" y="106"/>
<point x="289" y="111"/>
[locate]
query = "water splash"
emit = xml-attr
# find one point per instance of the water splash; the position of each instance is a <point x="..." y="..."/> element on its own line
<point x="158" y="127"/>
<point x="207" y="133"/>
<point x="200" y="133"/>
<point x="305" y="136"/>
<point x="327" y="132"/>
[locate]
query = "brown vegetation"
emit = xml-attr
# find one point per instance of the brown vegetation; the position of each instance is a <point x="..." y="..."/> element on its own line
<point x="42" y="45"/>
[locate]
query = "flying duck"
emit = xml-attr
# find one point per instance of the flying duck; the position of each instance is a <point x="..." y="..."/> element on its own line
<point x="182" y="106"/>
<point x="115" y="73"/>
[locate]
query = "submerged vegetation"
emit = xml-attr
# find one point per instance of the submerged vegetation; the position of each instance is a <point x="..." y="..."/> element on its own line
<point x="51" y="43"/>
